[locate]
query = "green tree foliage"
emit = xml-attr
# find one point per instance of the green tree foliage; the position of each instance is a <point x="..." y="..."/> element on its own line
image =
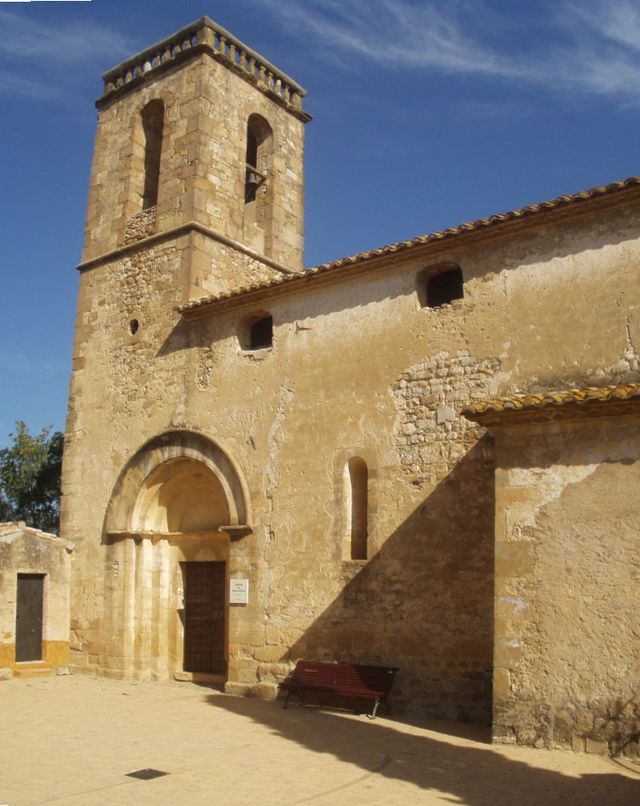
<point x="30" y="478"/>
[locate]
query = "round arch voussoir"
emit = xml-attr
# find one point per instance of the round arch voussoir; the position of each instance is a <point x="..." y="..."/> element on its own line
<point x="166" y="447"/>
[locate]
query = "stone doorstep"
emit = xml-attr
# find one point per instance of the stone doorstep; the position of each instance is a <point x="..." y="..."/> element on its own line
<point x="200" y="677"/>
<point x="32" y="669"/>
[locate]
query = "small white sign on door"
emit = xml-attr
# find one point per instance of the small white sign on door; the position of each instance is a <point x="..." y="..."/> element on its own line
<point x="239" y="591"/>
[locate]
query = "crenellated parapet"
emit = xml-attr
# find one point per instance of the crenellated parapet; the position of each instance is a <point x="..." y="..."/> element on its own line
<point x="204" y="36"/>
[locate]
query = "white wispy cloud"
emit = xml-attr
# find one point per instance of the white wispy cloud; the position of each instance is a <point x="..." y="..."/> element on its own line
<point x="33" y="53"/>
<point x="26" y="39"/>
<point x="618" y="22"/>
<point x="394" y="32"/>
<point x="588" y="47"/>
<point x="13" y="83"/>
<point x="602" y="54"/>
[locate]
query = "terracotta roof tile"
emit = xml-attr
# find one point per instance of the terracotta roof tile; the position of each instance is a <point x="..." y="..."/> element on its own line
<point x="488" y="411"/>
<point x="401" y="246"/>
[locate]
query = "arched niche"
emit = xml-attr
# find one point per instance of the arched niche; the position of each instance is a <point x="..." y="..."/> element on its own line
<point x="179" y="481"/>
<point x="356" y="481"/>
<point x="180" y="495"/>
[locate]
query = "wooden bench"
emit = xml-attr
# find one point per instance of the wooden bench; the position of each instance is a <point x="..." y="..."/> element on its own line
<point x="350" y="680"/>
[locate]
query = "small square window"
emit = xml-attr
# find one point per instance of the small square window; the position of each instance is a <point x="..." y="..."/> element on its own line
<point x="256" y="333"/>
<point x="441" y="288"/>
<point x="261" y="333"/>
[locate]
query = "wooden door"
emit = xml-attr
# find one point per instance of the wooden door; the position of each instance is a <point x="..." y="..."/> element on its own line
<point x="205" y="617"/>
<point x="29" y="609"/>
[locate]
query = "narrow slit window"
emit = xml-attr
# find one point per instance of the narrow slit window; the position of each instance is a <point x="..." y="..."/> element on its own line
<point x="152" y="124"/>
<point x="358" y="506"/>
<point x="257" y="160"/>
<point x="253" y="177"/>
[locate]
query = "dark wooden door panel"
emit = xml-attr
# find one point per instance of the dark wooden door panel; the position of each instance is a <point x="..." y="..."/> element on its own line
<point x="205" y="617"/>
<point x="29" y="617"/>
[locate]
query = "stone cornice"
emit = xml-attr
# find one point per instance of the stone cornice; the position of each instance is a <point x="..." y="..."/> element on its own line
<point x="234" y="532"/>
<point x="204" y="36"/>
<point x="176" y="232"/>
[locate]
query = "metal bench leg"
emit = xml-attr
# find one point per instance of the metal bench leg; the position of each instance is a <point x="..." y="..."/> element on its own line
<point x="372" y="715"/>
<point x="288" y="694"/>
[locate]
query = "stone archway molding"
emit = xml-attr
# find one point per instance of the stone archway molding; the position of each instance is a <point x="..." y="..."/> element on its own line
<point x="165" y="447"/>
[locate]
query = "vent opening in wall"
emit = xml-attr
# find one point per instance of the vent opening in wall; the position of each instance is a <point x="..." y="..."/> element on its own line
<point x="442" y="288"/>
<point x="134" y="327"/>
<point x="256" y="333"/>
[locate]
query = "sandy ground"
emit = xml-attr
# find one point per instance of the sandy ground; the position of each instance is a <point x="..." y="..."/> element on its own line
<point x="72" y="740"/>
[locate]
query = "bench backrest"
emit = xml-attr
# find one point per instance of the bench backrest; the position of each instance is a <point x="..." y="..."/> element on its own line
<point x="345" y="675"/>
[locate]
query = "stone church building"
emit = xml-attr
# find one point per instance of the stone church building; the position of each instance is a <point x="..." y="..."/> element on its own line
<point x="424" y="456"/>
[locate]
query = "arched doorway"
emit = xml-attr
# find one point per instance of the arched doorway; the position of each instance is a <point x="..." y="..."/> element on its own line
<point x="168" y="527"/>
<point x="180" y="495"/>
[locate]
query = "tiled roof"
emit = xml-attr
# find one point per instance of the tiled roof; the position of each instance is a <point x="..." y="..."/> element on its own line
<point x="403" y="246"/>
<point x="546" y="405"/>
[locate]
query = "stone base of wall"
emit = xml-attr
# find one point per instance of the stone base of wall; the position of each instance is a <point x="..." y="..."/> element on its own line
<point x="54" y="654"/>
<point x="262" y="691"/>
<point x="606" y="729"/>
<point x="7" y="656"/>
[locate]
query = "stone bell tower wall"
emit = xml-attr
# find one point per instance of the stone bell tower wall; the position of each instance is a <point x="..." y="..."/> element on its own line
<point x="167" y="221"/>
<point x="206" y="86"/>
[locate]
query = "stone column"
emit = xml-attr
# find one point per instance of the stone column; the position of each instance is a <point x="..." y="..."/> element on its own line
<point x="129" y="609"/>
<point x="162" y="603"/>
<point x="144" y="609"/>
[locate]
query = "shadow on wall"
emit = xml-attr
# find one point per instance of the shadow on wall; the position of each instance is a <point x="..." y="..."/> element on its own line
<point x="424" y="601"/>
<point x="474" y="775"/>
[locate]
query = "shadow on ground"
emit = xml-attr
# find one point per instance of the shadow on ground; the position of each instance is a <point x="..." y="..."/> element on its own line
<point x="476" y="775"/>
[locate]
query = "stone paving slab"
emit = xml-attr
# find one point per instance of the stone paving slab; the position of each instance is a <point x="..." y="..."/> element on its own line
<point x="71" y="741"/>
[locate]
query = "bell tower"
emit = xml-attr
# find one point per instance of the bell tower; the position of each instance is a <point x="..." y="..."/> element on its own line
<point x="196" y="189"/>
<point x="200" y="138"/>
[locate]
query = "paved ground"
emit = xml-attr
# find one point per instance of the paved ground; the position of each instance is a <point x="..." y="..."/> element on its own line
<point x="71" y="741"/>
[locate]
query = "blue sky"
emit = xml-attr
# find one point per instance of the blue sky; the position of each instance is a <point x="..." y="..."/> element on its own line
<point x="426" y="114"/>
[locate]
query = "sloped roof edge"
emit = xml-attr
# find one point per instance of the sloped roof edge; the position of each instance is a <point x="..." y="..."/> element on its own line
<point x="12" y="530"/>
<point x="402" y="246"/>
<point x="565" y="404"/>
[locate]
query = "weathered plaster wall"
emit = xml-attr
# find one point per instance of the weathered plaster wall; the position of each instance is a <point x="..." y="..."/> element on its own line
<point x="28" y="551"/>
<point x="357" y="368"/>
<point x="332" y="386"/>
<point x="567" y="653"/>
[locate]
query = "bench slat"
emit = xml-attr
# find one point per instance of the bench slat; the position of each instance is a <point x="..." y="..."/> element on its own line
<point x="346" y="679"/>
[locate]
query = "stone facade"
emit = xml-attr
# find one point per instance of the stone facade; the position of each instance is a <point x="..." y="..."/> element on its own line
<point x="33" y="556"/>
<point x="228" y="408"/>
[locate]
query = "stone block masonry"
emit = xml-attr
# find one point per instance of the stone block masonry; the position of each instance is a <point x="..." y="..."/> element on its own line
<point x="300" y="432"/>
